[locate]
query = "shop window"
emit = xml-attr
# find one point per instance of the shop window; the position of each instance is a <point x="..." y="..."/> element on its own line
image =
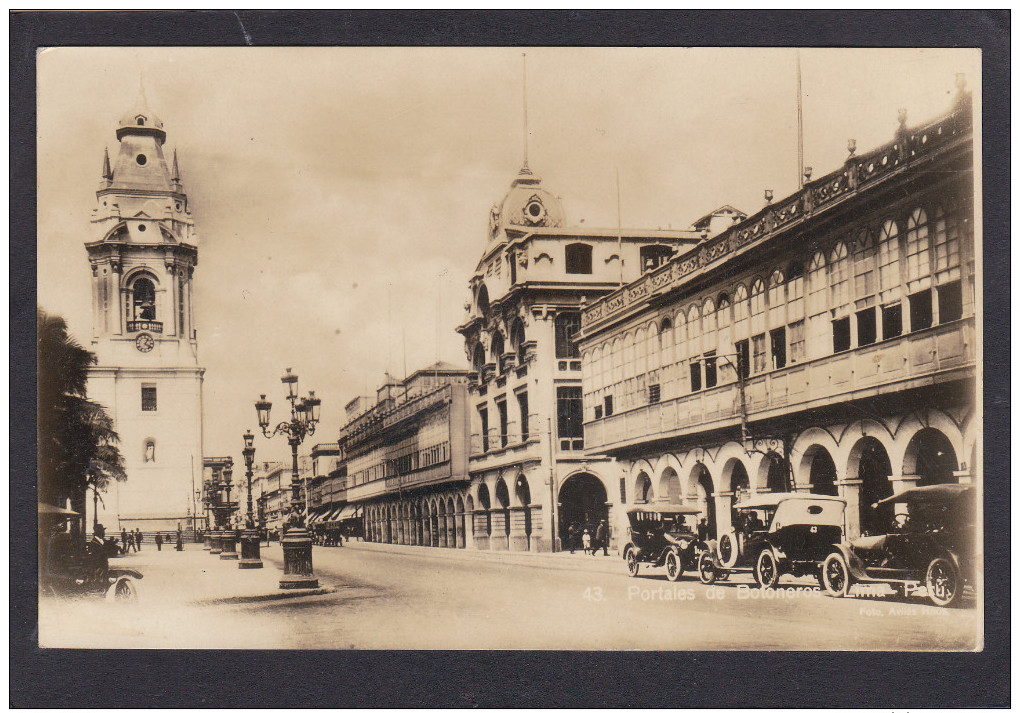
<point x="920" y="310"/>
<point x="777" y="337"/>
<point x="892" y="321"/>
<point x="867" y="328"/>
<point x="578" y="259"/>
<point x="950" y="302"/>
<point x="148" y="397"/>
<point x="840" y="335"/>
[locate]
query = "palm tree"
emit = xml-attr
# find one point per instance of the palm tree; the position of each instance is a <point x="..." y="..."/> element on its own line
<point x="77" y="441"/>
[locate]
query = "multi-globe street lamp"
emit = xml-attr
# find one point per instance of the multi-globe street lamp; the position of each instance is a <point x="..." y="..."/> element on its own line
<point x="251" y="557"/>
<point x="297" y="545"/>
<point x="228" y="543"/>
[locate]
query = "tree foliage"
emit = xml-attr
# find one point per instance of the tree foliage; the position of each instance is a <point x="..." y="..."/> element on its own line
<point x="77" y="441"/>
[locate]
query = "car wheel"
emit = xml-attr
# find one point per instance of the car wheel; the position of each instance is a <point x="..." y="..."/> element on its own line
<point x="674" y="567"/>
<point x="707" y="571"/>
<point x="835" y="575"/>
<point x="123" y="590"/>
<point x="942" y="582"/>
<point x="767" y="569"/>
<point x="729" y="549"/>
<point x="632" y="563"/>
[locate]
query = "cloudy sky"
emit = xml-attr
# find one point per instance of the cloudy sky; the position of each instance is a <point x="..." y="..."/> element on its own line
<point x="341" y="195"/>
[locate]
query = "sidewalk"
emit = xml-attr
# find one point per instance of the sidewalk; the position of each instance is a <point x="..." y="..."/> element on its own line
<point x="542" y="560"/>
<point x="196" y="577"/>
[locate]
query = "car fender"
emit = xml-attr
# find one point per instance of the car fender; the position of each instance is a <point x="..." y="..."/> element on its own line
<point x="711" y="548"/>
<point x="853" y="562"/>
<point x="116" y="573"/>
<point x="630" y="546"/>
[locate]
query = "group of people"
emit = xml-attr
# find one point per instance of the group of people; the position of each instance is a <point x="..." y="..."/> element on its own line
<point x="332" y="537"/>
<point x="589" y="539"/>
<point x="131" y="540"/>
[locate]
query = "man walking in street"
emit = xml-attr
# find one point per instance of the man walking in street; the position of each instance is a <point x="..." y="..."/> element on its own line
<point x="159" y="542"/>
<point x="124" y="539"/>
<point x="601" y="539"/>
<point x="138" y="539"/>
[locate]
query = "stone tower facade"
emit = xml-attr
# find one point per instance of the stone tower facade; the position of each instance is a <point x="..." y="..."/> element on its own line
<point x="143" y="253"/>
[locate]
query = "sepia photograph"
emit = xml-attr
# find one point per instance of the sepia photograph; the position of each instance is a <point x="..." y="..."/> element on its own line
<point x="510" y="348"/>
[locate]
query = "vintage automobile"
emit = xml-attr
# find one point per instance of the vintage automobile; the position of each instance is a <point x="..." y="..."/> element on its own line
<point x="662" y="536"/>
<point x="775" y="534"/>
<point x="930" y="542"/>
<point x="71" y="567"/>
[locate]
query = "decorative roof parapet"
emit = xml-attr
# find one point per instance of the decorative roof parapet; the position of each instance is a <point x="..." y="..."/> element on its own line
<point x="856" y="173"/>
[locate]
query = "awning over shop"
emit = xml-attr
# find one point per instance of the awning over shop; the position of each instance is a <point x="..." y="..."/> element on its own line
<point x="349" y="511"/>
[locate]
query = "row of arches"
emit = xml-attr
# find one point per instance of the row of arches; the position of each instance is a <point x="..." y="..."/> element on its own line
<point x="863" y="462"/>
<point x="431" y="521"/>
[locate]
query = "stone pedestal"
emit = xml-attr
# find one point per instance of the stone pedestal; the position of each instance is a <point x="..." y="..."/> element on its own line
<point x="228" y="545"/>
<point x="297" y="561"/>
<point x="251" y="555"/>
<point x="215" y="542"/>
<point x="205" y="541"/>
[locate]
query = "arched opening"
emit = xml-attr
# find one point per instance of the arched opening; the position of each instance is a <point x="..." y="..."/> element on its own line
<point x="517" y="340"/>
<point x="485" y="504"/>
<point x="143" y="300"/>
<point x="874" y="471"/>
<point x="503" y="504"/>
<point x="705" y="495"/>
<point x="441" y="524"/>
<point x="582" y="501"/>
<point x="931" y="456"/>
<point x="469" y="508"/>
<point x="496" y="350"/>
<point x="669" y="487"/>
<point x="482" y="301"/>
<point x="478" y="359"/>
<point x="776" y="479"/>
<point x="523" y="492"/>
<point x="822" y="473"/>
<point x="643" y="492"/>
<point x="740" y="483"/>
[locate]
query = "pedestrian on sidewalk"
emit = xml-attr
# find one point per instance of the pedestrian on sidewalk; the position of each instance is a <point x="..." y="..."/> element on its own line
<point x="586" y="542"/>
<point x="138" y="539"/>
<point x="572" y="536"/>
<point x="601" y="539"/>
<point x="159" y="542"/>
<point x="180" y="540"/>
<point x="124" y="540"/>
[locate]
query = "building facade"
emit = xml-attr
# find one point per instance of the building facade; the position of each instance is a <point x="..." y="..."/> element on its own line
<point x="826" y="344"/>
<point x="406" y="460"/>
<point x="143" y="254"/>
<point x="531" y="476"/>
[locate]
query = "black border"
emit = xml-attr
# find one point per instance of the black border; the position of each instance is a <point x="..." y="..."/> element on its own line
<point x="65" y="678"/>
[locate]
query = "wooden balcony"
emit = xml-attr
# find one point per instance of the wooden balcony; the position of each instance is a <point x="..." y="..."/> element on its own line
<point x="144" y="325"/>
<point x="920" y="358"/>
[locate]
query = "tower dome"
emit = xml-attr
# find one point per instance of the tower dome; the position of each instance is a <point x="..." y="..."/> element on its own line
<point x="141" y="120"/>
<point x="526" y="205"/>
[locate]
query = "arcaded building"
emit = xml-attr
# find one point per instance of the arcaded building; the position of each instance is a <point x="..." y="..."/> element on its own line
<point x="530" y="473"/>
<point x="826" y="343"/>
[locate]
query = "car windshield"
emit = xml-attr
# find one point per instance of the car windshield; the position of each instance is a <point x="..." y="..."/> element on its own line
<point x="755" y="519"/>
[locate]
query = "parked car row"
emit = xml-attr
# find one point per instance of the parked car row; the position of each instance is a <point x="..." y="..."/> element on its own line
<point x="929" y="543"/>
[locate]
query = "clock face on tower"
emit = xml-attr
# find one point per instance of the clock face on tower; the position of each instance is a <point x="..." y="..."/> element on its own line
<point x="144" y="342"/>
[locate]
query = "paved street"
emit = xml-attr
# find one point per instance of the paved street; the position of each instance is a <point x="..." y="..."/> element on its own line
<point x="409" y="597"/>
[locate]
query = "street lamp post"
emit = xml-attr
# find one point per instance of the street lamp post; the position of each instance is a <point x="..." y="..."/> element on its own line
<point x="229" y="541"/>
<point x="251" y="556"/>
<point x="297" y="545"/>
<point x="215" y="536"/>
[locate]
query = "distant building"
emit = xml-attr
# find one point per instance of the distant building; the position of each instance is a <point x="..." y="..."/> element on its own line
<point x="406" y="460"/>
<point x="826" y="343"/>
<point x="143" y="254"/>
<point x="530" y="475"/>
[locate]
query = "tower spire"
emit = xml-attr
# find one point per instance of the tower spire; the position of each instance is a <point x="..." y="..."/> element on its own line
<point x="107" y="171"/>
<point x="175" y="175"/>
<point x="524" y="58"/>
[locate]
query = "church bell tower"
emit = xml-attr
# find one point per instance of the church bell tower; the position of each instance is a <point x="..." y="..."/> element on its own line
<point x="143" y="252"/>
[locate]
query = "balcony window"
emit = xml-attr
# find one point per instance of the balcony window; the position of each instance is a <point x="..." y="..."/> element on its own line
<point x="920" y="310"/>
<point x="504" y="438"/>
<point x="950" y="302"/>
<point x="695" y="375"/>
<point x="522" y="405"/>
<point x="567" y="325"/>
<point x="840" y="335"/>
<point x="777" y="339"/>
<point x="569" y="417"/>
<point x="710" y="370"/>
<point x="598" y="412"/>
<point x="654" y="393"/>
<point x="892" y="321"/>
<point x="797" y="352"/>
<point x="867" y="327"/>
<point x="758" y="353"/>
<point x="483" y="416"/>
<point x="743" y="349"/>
<point x="608" y="403"/>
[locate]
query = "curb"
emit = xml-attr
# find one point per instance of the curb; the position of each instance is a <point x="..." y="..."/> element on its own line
<point x="270" y="596"/>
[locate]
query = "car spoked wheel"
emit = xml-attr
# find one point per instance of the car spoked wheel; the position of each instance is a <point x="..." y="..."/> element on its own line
<point x="943" y="582"/>
<point x="674" y="568"/>
<point x="632" y="563"/>
<point x="835" y="575"/>
<point x="707" y="571"/>
<point x="728" y="549"/>
<point x="767" y="569"/>
<point x="122" y="591"/>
